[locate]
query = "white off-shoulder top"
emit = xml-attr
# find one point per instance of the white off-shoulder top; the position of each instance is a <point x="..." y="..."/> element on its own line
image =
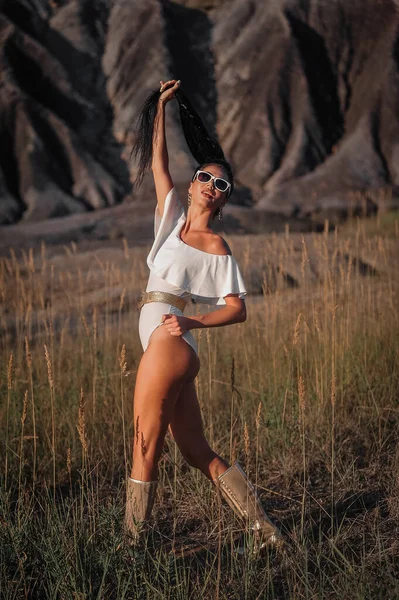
<point x="206" y="277"/>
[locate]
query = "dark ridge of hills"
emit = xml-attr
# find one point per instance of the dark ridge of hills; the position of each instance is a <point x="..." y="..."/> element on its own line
<point x="303" y="95"/>
<point x="58" y="154"/>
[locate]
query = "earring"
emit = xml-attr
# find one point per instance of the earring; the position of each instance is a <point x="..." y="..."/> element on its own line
<point x="189" y="199"/>
<point x="220" y="214"/>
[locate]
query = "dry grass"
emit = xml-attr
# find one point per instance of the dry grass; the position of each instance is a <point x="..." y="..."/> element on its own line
<point x="304" y="394"/>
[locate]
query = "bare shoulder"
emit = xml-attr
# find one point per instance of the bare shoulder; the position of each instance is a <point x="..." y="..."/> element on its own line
<point x="218" y="245"/>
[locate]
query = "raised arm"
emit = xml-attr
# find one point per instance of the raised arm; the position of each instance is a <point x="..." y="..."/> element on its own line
<point x="160" y="159"/>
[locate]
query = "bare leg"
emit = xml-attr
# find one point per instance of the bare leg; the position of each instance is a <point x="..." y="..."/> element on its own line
<point x="187" y="429"/>
<point x="166" y="365"/>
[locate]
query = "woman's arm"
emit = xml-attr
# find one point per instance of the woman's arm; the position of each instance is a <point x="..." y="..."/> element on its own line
<point x="160" y="159"/>
<point x="234" y="312"/>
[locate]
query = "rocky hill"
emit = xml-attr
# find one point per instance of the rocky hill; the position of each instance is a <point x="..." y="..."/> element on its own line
<point x="303" y="95"/>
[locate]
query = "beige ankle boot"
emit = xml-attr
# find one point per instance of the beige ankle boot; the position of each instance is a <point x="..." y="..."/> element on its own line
<point x="140" y="496"/>
<point x="241" y="496"/>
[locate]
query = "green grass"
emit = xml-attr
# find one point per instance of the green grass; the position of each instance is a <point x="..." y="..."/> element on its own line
<point x="304" y="394"/>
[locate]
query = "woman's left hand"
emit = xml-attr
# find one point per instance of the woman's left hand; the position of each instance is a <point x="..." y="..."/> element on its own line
<point x="175" y="324"/>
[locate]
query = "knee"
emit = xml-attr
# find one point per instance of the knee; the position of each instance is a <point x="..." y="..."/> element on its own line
<point x="192" y="460"/>
<point x="199" y="458"/>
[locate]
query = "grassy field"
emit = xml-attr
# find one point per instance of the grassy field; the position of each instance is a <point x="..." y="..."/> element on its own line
<point x="304" y="393"/>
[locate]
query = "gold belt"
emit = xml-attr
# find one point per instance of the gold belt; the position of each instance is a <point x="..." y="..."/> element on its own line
<point x="162" y="297"/>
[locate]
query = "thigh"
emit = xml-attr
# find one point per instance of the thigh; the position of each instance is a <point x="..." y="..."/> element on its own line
<point x="166" y="365"/>
<point x="186" y="423"/>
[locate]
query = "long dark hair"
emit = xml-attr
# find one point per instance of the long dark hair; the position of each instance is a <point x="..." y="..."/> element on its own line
<point x="203" y="146"/>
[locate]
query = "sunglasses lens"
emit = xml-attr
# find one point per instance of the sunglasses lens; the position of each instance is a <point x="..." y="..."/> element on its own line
<point x="221" y="185"/>
<point x="203" y="177"/>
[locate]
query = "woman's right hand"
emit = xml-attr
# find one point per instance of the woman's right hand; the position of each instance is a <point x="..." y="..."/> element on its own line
<point x="168" y="89"/>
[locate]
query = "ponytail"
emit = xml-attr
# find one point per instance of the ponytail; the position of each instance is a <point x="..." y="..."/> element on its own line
<point x="142" y="147"/>
<point x="203" y="146"/>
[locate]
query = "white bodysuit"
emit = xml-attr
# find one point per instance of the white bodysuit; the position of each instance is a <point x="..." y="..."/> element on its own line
<point x="180" y="269"/>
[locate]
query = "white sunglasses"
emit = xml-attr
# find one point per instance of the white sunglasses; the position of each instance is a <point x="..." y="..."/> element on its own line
<point x="220" y="184"/>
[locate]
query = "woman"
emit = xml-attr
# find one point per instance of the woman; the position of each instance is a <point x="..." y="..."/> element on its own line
<point x="187" y="260"/>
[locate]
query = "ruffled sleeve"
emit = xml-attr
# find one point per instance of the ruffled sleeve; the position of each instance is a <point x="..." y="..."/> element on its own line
<point x="163" y="226"/>
<point x="220" y="276"/>
<point x="173" y="209"/>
